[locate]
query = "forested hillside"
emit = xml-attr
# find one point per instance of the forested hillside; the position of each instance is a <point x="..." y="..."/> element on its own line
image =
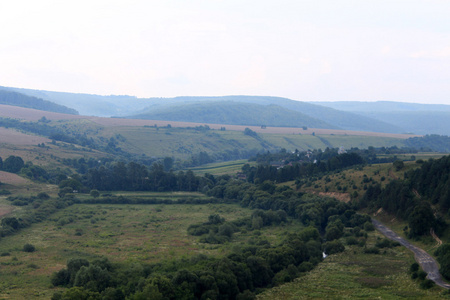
<point x="422" y="198"/>
<point x="234" y="113"/>
<point x="18" y="99"/>
<point x="336" y="118"/>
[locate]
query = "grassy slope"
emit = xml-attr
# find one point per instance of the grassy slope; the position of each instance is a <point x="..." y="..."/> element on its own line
<point x="182" y="143"/>
<point x="140" y="137"/>
<point x="355" y="275"/>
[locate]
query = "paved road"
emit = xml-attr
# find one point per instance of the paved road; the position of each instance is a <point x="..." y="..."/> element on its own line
<point x="427" y="262"/>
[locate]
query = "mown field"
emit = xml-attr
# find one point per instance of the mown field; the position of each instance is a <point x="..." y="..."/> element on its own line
<point x="217" y="169"/>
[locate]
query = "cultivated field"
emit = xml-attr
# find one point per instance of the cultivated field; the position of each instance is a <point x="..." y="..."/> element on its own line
<point x="34" y="115"/>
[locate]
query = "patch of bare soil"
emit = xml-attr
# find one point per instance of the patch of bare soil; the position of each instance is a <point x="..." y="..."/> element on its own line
<point x="11" y="136"/>
<point x="343" y="197"/>
<point x="435" y="237"/>
<point x="30" y="114"/>
<point x="5" y="210"/>
<point x="13" y="179"/>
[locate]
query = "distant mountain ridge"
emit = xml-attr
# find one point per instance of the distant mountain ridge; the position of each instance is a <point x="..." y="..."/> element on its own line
<point x="337" y="119"/>
<point x="381" y="106"/>
<point x="382" y="116"/>
<point x="411" y="117"/>
<point x="233" y="113"/>
<point x="18" y="99"/>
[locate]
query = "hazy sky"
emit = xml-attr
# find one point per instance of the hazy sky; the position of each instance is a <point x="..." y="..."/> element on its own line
<point x="305" y="50"/>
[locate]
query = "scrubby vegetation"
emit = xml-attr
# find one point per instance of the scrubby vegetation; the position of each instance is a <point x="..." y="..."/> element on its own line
<point x="286" y="231"/>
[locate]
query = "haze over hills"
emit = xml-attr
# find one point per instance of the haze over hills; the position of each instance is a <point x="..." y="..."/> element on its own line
<point x="382" y="116"/>
<point x="233" y="113"/>
<point x="411" y="117"/>
<point x="22" y="100"/>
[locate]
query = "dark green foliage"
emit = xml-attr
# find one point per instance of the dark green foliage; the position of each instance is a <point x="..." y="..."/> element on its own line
<point x="73" y="266"/>
<point x="427" y="284"/>
<point x="351" y="240"/>
<point x="432" y="181"/>
<point x="433" y="142"/>
<point x="10" y="222"/>
<point x="422" y="275"/>
<point x="28" y="248"/>
<point x="414" y="267"/>
<point x="398" y="165"/>
<point x="386" y="243"/>
<point x="43" y="196"/>
<point x="13" y="164"/>
<point x="302" y="165"/>
<point x="333" y="247"/>
<point x="93" y="277"/>
<point x="443" y="258"/>
<point x="137" y="177"/>
<point x="372" y="250"/>
<point x="35" y="172"/>
<point x="94" y="193"/>
<point x="60" y="278"/>
<point x="368" y="226"/>
<point x="421" y="220"/>
<point x="333" y="233"/>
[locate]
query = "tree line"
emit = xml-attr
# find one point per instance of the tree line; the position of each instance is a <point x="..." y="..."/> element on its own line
<point x="412" y="198"/>
<point x="296" y="170"/>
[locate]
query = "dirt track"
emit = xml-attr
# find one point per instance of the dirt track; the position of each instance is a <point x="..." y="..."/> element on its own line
<point x="427" y="262"/>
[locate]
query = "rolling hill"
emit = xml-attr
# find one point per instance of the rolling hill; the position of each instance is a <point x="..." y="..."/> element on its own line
<point x="381" y="116"/>
<point x="128" y="106"/>
<point x="22" y="100"/>
<point x="410" y="117"/>
<point x="333" y="117"/>
<point x="234" y="113"/>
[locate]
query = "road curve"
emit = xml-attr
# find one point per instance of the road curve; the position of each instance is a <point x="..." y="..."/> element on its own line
<point x="427" y="262"/>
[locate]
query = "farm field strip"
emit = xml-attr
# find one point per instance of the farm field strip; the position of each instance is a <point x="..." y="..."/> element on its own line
<point x="34" y="115"/>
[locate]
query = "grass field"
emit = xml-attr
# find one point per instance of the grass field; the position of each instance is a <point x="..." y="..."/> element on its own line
<point x="122" y="233"/>
<point x="347" y="182"/>
<point x="142" y="137"/>
<point x="356" y="275"/>
<point x="217" y="169"/>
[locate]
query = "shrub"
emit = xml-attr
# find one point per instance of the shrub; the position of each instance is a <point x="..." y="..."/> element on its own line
<point x="372" y="250"/>
<point x="414" y="267"/>
<point x="351" y="240"/>
<point x="368" y="226"/>
<point x="422" y="275"/>
<point x="28" y="248"/>
<point x="333" y="247"/>
<point x="427" y="284"/>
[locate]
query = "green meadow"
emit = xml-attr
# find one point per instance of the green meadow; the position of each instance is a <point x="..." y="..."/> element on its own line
<point x="122" y="233"/>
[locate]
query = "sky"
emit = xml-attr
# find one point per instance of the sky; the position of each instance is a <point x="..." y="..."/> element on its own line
<point x="316" y="50"/>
